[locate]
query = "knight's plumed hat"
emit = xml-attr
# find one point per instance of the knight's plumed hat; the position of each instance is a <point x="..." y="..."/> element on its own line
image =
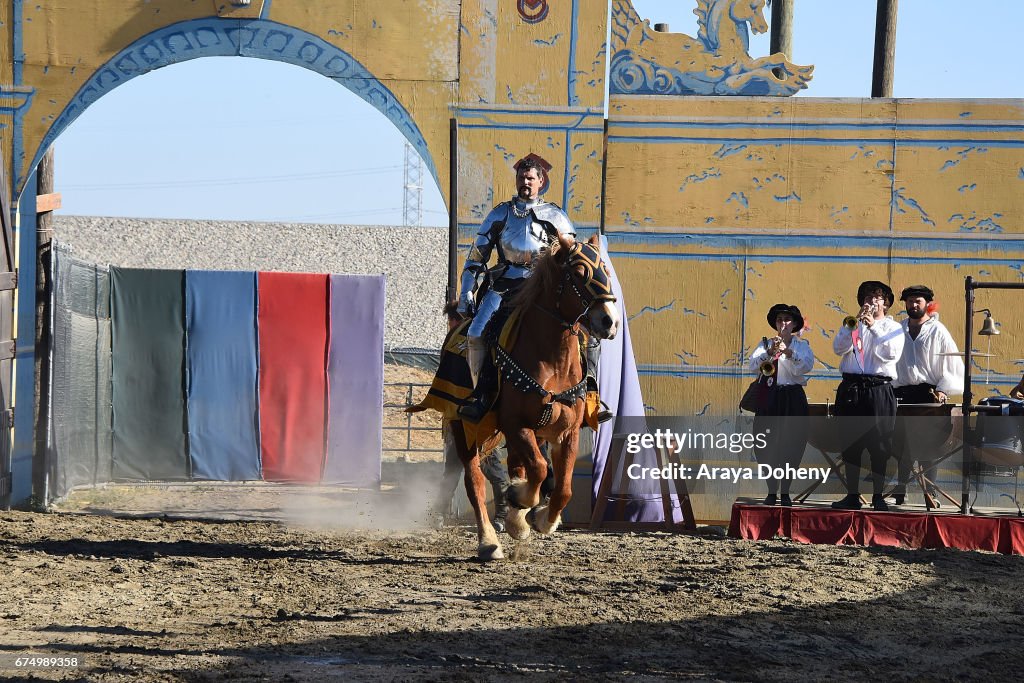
<point x="538" y="162"/>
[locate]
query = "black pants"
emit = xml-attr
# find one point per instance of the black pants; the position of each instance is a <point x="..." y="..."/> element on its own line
<point x="867" y="406"/>
<point x="932" y="431"/>
<point x="783" y="417"/>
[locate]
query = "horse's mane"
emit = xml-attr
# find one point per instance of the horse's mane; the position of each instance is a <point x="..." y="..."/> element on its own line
<point x="543" y="279"/>
<point x="710" y="15"/>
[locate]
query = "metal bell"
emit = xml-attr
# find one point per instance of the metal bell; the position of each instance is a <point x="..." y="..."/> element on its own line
<point x="988" y="328"/>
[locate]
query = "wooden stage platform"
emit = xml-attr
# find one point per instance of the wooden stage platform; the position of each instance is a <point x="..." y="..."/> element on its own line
<point x="908" y="527"/>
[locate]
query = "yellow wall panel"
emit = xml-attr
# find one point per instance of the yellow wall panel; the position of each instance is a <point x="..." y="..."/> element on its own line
<point x="543" y="79"/>
<point x="979" y="197"/>
<point x="683" y="320"/>
<point x="479" y="51"/>
<point x="6" y="43"/>
<point x="398" y="40"/>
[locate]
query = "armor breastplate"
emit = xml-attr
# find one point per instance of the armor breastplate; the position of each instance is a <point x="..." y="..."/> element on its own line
<point x="522" y="239"/>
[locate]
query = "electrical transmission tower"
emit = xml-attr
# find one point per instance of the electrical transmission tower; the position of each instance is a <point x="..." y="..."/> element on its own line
<point x="412" y="203"/>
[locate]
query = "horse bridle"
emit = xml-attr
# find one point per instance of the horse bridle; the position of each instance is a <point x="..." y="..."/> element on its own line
<point x="595" y="288"/>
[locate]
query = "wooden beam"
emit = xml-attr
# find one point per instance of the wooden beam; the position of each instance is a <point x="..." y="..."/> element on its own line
<point x="47" y="202"/>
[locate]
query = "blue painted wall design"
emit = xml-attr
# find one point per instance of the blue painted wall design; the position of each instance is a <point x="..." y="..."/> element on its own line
<point x="717" y="62"/>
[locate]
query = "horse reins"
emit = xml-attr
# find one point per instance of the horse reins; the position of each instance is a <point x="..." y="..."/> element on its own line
<point x="520" y="379"/>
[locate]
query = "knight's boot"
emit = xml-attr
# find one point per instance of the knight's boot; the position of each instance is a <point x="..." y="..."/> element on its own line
<point x="479" y="401"/>
<point x="500" y="507"/>
<point x="604" y="414"/>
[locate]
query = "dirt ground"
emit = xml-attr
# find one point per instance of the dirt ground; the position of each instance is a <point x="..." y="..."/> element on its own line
<point x="299" y="595"/>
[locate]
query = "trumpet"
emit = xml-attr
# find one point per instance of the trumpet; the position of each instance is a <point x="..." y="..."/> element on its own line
<point x="767" y="367"/>
<point x="850" y="321"/>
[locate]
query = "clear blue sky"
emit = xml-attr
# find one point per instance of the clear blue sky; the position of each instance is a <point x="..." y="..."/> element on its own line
<point x="247" y="139"/>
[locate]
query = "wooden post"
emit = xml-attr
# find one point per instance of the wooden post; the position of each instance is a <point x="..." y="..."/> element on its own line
<point x="44" y="289"/>
<point x="452" y="291"/>
<point x="885" y="48"/>
<point x="782" y="27"/>
<point x="965" y="482"/>
<point x="782" y="30"/>
<point x="602" y="227"/>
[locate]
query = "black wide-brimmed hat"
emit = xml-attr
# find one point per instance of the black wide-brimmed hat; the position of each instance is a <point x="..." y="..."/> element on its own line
<point x="798" y="319"/>
<point x="922" y="291"/>
<point x="872" y="285"/>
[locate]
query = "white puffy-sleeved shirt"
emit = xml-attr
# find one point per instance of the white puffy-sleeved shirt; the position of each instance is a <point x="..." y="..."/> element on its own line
<point x="790" y="370"/>
<point x="881" y="345"/>
<point x="922" y="364"/>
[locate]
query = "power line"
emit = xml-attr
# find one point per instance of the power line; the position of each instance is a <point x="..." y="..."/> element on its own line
<point x="178" y="126"/>
<point x="344" y="214"/>
<point x="220" y="182"/>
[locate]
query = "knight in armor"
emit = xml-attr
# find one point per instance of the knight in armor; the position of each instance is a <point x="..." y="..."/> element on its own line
<point x="519" y="231"/>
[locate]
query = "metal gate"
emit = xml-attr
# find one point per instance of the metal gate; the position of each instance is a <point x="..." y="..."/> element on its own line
<point x="8" y="282"/>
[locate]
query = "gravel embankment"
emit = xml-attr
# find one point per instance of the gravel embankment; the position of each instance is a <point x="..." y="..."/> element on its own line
<point x="414" y="260"/>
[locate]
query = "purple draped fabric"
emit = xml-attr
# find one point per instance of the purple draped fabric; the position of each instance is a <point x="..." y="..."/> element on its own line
<point x="620" y="388"/>
<point x="355" y="380"/>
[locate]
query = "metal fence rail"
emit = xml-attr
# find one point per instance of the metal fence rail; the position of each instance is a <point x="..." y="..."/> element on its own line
<point x="409" y="432"/>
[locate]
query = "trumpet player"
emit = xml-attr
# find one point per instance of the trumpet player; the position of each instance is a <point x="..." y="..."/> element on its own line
<point x="783" y="362"/>
<point x="869" y="351"/>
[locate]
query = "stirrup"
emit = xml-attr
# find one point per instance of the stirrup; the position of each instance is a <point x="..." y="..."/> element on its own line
<point x="475" y="410"/>
<point x="604" y="414"/>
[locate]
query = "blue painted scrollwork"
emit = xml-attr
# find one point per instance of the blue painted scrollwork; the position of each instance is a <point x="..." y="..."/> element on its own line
<point x="212" y="37"/>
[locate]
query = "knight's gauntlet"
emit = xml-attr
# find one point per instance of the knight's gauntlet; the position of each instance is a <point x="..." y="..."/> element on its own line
<point x="467" y="301"/>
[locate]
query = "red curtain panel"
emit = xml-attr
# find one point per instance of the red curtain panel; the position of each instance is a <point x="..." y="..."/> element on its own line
<point x="292" y="320"/>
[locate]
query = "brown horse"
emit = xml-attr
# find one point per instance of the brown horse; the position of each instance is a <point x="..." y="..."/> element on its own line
<point x="543" y="388"/>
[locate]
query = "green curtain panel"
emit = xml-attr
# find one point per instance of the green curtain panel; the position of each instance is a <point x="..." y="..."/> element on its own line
<point x="147" y="312"/>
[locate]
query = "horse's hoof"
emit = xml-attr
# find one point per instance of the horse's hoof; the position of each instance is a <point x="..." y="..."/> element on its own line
<point x="489" y="552"/>
<point x="512" y="493"/>
<point x="540" y="521"/>
<point x="516" y="526"/>
<point x="533" y="516"/>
